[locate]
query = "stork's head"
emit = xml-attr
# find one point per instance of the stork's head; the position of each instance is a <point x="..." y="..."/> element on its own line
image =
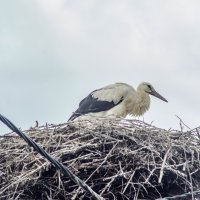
<point x="148" y="88"/>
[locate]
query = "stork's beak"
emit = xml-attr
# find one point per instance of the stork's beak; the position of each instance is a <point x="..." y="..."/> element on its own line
<point x="156" y="94"/>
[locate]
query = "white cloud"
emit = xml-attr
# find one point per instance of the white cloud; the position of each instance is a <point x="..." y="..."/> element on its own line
<point x="150" y="33"/>
<point x="67" y="21"/>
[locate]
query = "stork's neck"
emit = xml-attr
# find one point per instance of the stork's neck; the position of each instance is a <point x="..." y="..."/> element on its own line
<point x="142" y="103"/>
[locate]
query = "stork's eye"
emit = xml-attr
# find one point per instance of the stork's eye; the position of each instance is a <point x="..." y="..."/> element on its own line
<point x="149" y="86"/>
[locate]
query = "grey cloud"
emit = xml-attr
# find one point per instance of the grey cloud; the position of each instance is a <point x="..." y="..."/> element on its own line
<point x="53" y="53"/>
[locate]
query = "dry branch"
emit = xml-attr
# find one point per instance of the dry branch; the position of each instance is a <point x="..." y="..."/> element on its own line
<point x="126" y="159"/>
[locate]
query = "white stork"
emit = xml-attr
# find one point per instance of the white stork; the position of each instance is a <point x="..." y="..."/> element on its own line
<point x="117" y="100"/>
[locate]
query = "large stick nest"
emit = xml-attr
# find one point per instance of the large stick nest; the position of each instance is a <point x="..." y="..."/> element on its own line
<point x="117" y="159"/>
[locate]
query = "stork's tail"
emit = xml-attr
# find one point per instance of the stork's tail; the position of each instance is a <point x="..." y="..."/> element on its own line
<point x="74" y="116"/>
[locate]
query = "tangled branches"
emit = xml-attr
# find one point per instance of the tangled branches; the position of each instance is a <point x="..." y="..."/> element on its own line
<point x="117" y="159"/>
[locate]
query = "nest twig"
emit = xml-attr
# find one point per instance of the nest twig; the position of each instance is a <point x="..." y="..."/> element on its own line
<point x="126" y="159"/>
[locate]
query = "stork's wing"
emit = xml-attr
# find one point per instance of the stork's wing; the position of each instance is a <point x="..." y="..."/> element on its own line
<point x="103" y="99"/>
<point x="92" y="104"/>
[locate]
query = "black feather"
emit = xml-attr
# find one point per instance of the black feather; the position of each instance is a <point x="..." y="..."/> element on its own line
<point x="92" y="105"/>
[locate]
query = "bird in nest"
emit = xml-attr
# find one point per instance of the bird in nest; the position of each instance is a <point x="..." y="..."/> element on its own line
<point x="117" y="100"/>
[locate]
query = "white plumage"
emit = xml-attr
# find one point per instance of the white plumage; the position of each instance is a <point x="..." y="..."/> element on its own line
<point x="117" y="100"/>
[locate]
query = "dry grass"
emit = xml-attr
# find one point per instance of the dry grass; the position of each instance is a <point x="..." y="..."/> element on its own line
<point x="126" y="159"/>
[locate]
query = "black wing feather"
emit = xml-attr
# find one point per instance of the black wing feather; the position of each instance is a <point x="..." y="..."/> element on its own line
<point x="92" y="105"/>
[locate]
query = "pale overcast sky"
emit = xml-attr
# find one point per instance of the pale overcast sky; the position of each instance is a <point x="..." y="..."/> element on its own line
<point x="54" y="52"/>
